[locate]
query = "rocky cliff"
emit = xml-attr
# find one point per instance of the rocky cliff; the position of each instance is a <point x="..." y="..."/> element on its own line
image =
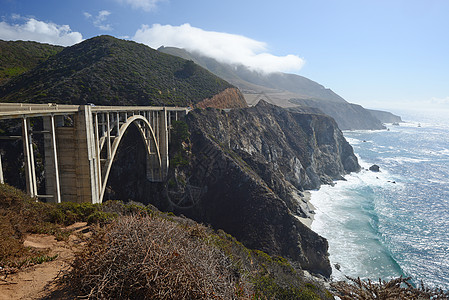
<point x="347" y="115"/>
<point x="246" y="173"/>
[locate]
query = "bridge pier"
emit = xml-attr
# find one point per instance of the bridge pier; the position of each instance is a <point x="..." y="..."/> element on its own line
<point x="28" y="153"/>
<point x="52" y="181"/>
<point x="163" y="142"/>
<point x="2" y="180"/>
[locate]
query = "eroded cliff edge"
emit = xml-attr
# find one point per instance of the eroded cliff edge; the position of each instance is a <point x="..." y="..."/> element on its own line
<point x="247" y="170"/>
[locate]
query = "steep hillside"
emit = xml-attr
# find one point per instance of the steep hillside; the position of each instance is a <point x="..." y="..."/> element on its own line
<point x="19" y="56"/>
<point x="347" y="115"/>
<point x="109" y="71"/>
<point x="285" y="90"/>
<point x="250" y="81"/>
<point x="251" y="166"/>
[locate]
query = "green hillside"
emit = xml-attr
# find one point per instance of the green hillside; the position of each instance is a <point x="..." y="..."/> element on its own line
<point x="19" y="56"/>
<point x="109" y="71"/>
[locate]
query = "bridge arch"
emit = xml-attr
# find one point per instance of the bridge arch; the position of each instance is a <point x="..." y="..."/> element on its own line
<point x="151" y="146"/>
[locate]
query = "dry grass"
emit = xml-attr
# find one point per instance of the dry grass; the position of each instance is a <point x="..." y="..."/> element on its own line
<point x="16" y="219"/>
<point x="21" y="215"/>
<point x="145" y="254"/>
<point x="141" y="257"/>
<point x="399" y="288"/>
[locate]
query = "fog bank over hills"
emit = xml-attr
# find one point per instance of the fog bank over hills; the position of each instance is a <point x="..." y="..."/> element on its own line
<point x="286" y="90"/>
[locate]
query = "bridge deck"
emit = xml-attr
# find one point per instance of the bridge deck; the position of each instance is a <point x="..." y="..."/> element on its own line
<point x="20" y="110"/>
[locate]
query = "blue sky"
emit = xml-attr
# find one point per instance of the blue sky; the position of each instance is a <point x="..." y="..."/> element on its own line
<point x="377" y="53"/>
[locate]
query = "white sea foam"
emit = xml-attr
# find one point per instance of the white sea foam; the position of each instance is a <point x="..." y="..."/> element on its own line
<point x="377" y="228"/>
<point x="402" y="159"/>
<point x="350" y="229"/>
<point x="353" y="141"/>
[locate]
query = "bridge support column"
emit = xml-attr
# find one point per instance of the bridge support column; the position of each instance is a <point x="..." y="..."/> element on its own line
<point x="2" y="180"/>
<point x="163" y="142"/>
<point x="86" y="166"/>
<point x="52" y="185"/>
<point x="28" y="152"/>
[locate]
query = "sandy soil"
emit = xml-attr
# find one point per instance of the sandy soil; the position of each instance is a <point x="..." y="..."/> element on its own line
<point x="38" y="281"/>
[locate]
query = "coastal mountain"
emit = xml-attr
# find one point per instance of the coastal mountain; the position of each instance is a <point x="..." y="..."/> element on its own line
<point x="251" y="82"/>
<point x="285" y="90"/>
<point x="385" y="116"/>
<point x="348" y="116"/>
<point x="109" y="71"/>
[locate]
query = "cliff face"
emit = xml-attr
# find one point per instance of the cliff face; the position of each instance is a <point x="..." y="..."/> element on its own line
<point x="248" y="167"/>
<point x="347" y="115"/>
<point x="305" y="149"/>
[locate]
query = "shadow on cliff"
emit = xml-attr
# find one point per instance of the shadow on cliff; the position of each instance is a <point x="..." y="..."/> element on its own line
<point x="127" y="179"/>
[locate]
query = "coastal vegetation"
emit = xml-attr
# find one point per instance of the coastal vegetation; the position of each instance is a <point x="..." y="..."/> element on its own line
<point x="19" y="57"/>
<point x="397" y="288"/>
<point x="138" y="252"/>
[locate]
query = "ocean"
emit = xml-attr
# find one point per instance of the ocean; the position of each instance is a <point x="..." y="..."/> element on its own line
<point x="394" y="222"/>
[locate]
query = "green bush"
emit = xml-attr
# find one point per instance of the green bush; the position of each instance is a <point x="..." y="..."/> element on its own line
<point x="68" y="212"/>
<point x="101" y="217"/>
<point x="268" y="287"/>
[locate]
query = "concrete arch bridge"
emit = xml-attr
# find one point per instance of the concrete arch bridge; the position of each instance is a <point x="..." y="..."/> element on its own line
<point x="81" y="141"/>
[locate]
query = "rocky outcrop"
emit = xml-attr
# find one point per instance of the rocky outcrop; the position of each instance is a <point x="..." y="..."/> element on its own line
<point x="374" y="168"/>
<point x="229" y="98"/>
<point x="248" y="168"/>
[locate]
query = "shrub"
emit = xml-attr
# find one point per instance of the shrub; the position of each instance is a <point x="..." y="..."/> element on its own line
<point x="399" y="288"/>
<point x="101" y="218"/>
<point x="148" y="258"/>
<point x="69" y="212"/>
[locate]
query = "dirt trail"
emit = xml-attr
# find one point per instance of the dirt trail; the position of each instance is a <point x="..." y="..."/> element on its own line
<point x="37" y="281"/>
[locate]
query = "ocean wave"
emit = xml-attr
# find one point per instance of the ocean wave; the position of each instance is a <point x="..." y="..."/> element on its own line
<point x="403" y="159"/>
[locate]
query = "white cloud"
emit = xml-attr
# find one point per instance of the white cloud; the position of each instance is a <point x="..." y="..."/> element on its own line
<point x="224" y="47"/>
<point x="39" y="31"/>
<point x="146" y="5"/>
<point x="99" y="20"/>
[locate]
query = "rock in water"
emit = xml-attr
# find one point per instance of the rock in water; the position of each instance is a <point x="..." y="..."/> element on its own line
<point x="374" y="168"/>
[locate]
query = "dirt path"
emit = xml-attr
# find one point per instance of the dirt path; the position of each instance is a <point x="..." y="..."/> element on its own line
<point x="37" y="281"/>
